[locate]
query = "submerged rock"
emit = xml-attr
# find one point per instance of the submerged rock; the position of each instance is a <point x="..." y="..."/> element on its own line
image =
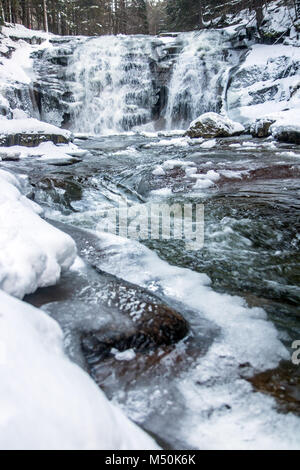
<point x="211" y="125"/>
<point x="152" y="322"/>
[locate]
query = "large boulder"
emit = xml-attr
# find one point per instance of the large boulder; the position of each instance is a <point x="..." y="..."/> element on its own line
<point x="211" y="125"/>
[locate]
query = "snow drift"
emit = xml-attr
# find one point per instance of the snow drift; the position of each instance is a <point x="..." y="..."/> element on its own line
<point x="33" y="253"/>
<point x="46" y="402"/>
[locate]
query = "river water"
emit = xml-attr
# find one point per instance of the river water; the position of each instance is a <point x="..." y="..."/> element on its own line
<point x="239" y="293"/>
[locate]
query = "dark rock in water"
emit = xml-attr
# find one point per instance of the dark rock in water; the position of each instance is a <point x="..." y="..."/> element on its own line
<point x="68" y="161"/>
<point x="282" y="383"/>
<point x="288" y="134"/>
<point x="31" y="140"/>
<point x="153" y="323"/>
<point x="61" y="189"/>
<point x="261" y="127"/>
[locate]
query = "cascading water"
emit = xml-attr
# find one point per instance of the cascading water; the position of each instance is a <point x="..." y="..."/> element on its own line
<point x="112" y="84"/>
<point x="199" y="77"/>
<point x="113" y="88"/>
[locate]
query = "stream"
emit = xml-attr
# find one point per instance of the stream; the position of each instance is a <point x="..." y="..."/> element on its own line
<point x="246" y="273"/>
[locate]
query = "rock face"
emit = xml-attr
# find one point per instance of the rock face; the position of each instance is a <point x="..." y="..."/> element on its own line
<point x="211" y="125"/>
<point x="289" y="134"/>
<point x="261" y="127"/>
<point x="266" y="81"/>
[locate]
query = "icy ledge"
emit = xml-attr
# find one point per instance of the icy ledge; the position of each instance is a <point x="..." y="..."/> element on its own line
<point x="47" y="402"/>
<point x="33" y="253"/>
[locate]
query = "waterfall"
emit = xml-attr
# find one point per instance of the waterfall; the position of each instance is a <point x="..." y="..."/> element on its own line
<point x="199" y="76"/>
<point x="111" y="84"/>
<point x="113" y="88"/>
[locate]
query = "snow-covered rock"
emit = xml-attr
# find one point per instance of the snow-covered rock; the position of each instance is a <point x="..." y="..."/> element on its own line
<point x="210" y="125"/>
<point x="30" y="132"/>
<point x="282" y="125"/>
<point x="284" y="133"/>
<point x="33" y="253"/>
<point x="261" y="127"/>
<point x="47" y="402"/>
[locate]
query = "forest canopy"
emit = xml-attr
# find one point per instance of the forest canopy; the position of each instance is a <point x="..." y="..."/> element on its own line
<point x="98" y="17"/>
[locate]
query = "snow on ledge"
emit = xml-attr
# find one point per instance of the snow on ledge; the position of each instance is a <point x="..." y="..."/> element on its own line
<point x="30" y="126"/>
<point x="19" y="31"/>
<point x="33" y="253"/>
<point x="46" y="401"/>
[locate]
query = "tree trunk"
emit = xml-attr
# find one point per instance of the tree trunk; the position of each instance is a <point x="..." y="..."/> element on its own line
<point x="2" y="13"/>
<point x="200" y="14"/>
<point x="46" y="27"/>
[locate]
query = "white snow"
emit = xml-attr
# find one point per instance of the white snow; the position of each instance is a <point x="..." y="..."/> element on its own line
<point x="171" y="164"/>
<point x="158" y="171"/>
<point x="175" y="142"/>
<point x="33" y="253"/>
<point x="127" y="355"/>
<point x="45" y="151"/>
<point x="163" y="192"/>
<point x="30" y="126"/>
<point x="209" y="144"/>
<point x="19" y="31"/>
<point x="266" y="83"/>
<point x="47" y="402"/>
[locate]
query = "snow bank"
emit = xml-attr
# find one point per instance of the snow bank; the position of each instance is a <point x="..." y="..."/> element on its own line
<point x="19" y="31"/>
<point x="33" y="253"/>
<point x="12" y="127"/>
<point x="47" y="402"/>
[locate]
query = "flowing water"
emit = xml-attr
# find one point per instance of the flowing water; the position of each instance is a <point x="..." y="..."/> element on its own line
<point x="239" y="293"/>
<point x="184" y="394"/>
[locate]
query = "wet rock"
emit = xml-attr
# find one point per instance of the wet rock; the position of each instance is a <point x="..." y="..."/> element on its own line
<point x="261" y="127"/>
<point x="282" y="383"/>
<point x="211" y="125"/>
<point x="289" y="134"/>
<point x="153" y="323"/>
<point x="61" y="189"/>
